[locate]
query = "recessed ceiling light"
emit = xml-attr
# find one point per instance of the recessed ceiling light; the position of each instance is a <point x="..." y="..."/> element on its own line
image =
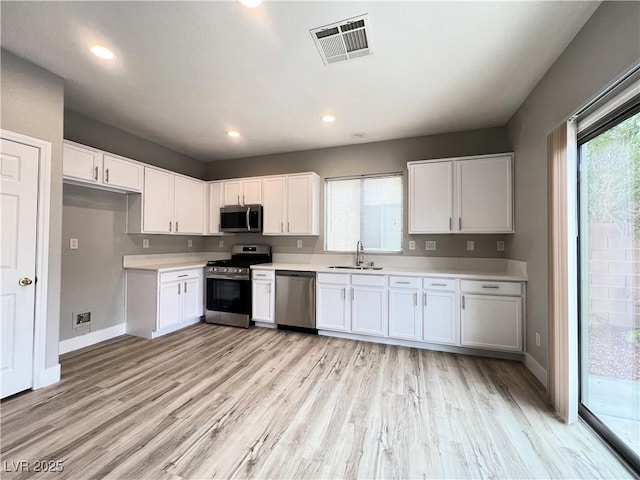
<point x="233" y="133"/>
<point x="251" y="3"/>
<point x="328" y="118"/>
<point x="101" y="51"/>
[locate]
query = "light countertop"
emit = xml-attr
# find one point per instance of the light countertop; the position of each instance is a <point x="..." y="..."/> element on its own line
<point x="168" y="267"/>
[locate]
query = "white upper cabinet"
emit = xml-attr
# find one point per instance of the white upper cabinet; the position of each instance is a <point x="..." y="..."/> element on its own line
<point x="291" y="204"/>
<point x="243" y="191"/>
<point x="88" y="166"/>
<point x="169" y="204"/>
<point x="213" y="208"/>
<point x="189" y="202"/>
<point x="461" y="195"/>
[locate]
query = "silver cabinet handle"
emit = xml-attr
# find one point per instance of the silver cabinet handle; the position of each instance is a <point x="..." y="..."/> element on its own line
<point x="182" y="276"/>
<point x="176" y="226"/>
<point x="185" y="287"/>
<point x="424" y="298"/>
<point x="353" y="295"/>
<point x="459" y="223"/>
<point x="170" y="226"/>
<point x="449" y="223"/>
<point x="248" y="224"/>
<point x="178" y="289"/>
<point x="95" y="174"/>
<point x="244" y="202"/>
<point x="261" y="274"/>
<point x="282" y="226"/>
<point x="238" y="199"/>
<point x="288" y="226"/>
<point x="403" y="283"/>
<point x="415" y="299"/>
<point x="438" y="284"/>
<point x="494" y="287"/>
<point x="106" y="179"/>
<point x="463" y="302"/>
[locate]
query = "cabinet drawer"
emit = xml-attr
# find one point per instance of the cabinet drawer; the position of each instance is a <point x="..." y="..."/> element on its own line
<point x="404" y="282"/>
<point x="335" y="278"/>
<point x="448" y="284"/>
<point x="263" y="274"/>
<point x="369" y="280"/>
<point x="491" y="287"/>
<point x="180" y="275"/>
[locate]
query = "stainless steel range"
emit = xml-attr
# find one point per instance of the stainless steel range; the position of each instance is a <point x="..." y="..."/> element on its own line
<point x="228" y="292"/>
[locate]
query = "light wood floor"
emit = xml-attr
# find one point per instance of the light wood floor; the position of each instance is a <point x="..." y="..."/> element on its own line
<point x="219" y="402"/>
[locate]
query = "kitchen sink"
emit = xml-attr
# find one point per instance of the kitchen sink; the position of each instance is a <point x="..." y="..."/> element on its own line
<point x="348" y="267"/>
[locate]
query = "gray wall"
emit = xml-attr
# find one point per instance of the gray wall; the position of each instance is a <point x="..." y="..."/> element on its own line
<point x="32" y="101"/>
<point x="87" y="131"/>
<point x="92" y="275"/>
<point x="379" y="157"/>
<point x="606" y="46"/>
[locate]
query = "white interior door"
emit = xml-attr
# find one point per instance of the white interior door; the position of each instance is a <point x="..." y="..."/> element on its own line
<point x="18" y="217"/>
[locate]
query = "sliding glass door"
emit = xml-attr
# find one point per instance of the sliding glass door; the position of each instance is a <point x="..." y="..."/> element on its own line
<point x="609" y="250"/>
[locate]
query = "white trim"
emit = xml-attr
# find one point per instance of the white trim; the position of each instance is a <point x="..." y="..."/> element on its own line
<point x="175" y="327"/>
<point x="534" y="367"/>
<point x="610" y="106"/>
<point x="82" y="341"/>
<point x="42" y="375"/>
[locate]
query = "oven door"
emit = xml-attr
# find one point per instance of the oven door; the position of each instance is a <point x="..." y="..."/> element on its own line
<point x="229" y="295"/>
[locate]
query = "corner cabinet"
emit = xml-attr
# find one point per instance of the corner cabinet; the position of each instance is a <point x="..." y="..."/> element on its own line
<point x="461" y="195"/>
<point x="82" y="165"/>
<point x="162" y="302"/>
<point x="291" y="204"/>
<point x="169" y="204"/>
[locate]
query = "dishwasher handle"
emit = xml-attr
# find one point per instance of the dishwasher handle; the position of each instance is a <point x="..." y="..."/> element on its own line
<point x="295" y="273"/>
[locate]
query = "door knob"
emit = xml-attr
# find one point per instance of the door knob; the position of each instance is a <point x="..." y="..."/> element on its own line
<point x="24" y="281"/>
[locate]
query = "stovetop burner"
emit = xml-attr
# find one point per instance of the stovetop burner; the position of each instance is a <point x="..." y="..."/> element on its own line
<point x="243" y="256"/>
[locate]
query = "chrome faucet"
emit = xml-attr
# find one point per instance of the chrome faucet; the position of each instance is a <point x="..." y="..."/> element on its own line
<point x="359" y="254"/>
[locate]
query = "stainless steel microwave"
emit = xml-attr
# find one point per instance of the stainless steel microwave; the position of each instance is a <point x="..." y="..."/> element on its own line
<point x="241" y="219"/>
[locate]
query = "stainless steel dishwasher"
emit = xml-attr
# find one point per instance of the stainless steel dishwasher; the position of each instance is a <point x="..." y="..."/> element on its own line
<point x="296" y="300"/>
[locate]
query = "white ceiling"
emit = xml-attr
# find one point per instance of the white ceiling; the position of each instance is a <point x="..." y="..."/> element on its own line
<point x="186" y="72"/>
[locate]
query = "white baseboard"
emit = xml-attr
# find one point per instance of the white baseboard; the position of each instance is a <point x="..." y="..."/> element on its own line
<point x="76" y="343"/>
<point x="47" y="377"/>
<point x="534" y="367"/>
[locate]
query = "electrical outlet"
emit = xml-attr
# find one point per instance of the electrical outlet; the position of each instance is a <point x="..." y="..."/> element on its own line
<point x="299" y="244"/>
<point x="537" y="339"/>
<point x="412" y="245"/>
<point x="220" y="243"/>
<point x="430" y="245"/>
<point x="189" y="243"/>
<point x="73" y="244"/>
<point x="500" y="245"/>
<point x="471" y="245"/>
<point x="81" y="320"/>
<point x="145" y="243"/>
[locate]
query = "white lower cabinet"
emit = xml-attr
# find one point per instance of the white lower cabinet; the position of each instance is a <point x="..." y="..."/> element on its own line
<point x="441" y="321"/>
<point x="333" y="302"/>
<point x="369" y="314"/>
<point x="405" y="312"/>
<point x="159" y="303"/>
<point x="263" y="296"/>
<point x="491" y="321"/>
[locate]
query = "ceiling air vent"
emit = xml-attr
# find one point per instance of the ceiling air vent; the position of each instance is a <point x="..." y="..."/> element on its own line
<point x="343" y="40"/>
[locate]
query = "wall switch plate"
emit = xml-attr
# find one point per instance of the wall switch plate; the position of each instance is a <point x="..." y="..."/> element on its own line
<point x="299" y="244"/>
<point x="500" y="245"/>
<point x="145" y="243"/>
<point x="220" y="243"/>
<point x="471" y="245"/>
<point x="73" y="243"/>
<point x="412" y="245"/>
<point x="537" y="339"/>
<point x="189" y="243"/>
<point x="430" y="245"/>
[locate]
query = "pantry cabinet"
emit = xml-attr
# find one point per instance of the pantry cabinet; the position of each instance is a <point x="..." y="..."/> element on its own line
<point x="243" y="191"/>
<point x="461" y="195"/>
<point x="291" y="204"/>
<point x="162" y="302"/>
<point x="88" y="166"/>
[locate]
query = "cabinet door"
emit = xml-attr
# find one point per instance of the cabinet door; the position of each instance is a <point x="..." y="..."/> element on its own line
<point x="431" y="197"/>
<point x="80" y="163"/>
<point x="485" y="195"/>
<point x="119" y="172"/>
<point x="192" y="298"/>
<point x="332" y="307"/>
<point x="273" y="215"/>
<point x="405" y="320"/>
<point x="491" y="322"/>
<point x="158" y="201"/>
<point x="232" y="192"/>
<point x="262" y="300"/>
<point x="300" y="205"/>
<point x="189" y="206"/>
<point x="252" y="191"/>
<point x="440" y="323"/>
<point x="215" y="202"/>
<point x="369" y="310"/>
<point x="169" y="304"/>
